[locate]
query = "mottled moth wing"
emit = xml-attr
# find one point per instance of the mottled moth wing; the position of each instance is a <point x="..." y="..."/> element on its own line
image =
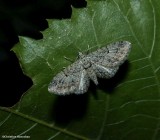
<point x="102" y="63"/>
<point x="72" y="79"/>
<point x="106" y="60"/>
<point x="113" y="55"/>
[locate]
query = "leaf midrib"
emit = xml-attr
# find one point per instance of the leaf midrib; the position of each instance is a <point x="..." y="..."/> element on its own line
<point x="43" y="123"/>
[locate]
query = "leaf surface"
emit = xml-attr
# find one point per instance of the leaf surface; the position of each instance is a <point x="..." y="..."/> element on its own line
<point x="124" y="107"/>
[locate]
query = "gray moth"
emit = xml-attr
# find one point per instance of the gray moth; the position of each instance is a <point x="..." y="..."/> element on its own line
<point x="102" y="63"/>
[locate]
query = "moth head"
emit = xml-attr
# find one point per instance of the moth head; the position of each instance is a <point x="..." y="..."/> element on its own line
<point x="81" y="55"/>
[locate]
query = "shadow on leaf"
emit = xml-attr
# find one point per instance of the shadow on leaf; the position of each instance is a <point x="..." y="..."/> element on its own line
<point x="108" y="85"/>
<point x="68" y="108"/>
<point x="73" y="107"/>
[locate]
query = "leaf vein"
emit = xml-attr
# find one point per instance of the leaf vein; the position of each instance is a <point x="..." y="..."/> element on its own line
<point x="54" y="135"/>
<point x="134" y="80"/>
<point x="26" y="130"/>
<point x="154" y="29"/>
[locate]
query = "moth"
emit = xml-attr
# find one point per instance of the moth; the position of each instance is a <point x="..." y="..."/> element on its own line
<point x="102" y="63"/>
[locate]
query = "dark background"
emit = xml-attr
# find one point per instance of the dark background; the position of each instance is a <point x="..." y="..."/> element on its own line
<point x="24" y="18"/>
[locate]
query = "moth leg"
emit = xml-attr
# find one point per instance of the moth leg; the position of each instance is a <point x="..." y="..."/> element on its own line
<point x="88" y="49"/>
<point x="92" y="75"/>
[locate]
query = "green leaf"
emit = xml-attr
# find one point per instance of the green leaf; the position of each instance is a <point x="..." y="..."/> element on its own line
<point x="125" y="107"/>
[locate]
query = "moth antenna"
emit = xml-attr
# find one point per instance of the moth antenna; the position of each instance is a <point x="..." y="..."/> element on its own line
<point x="68" y="59"/>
